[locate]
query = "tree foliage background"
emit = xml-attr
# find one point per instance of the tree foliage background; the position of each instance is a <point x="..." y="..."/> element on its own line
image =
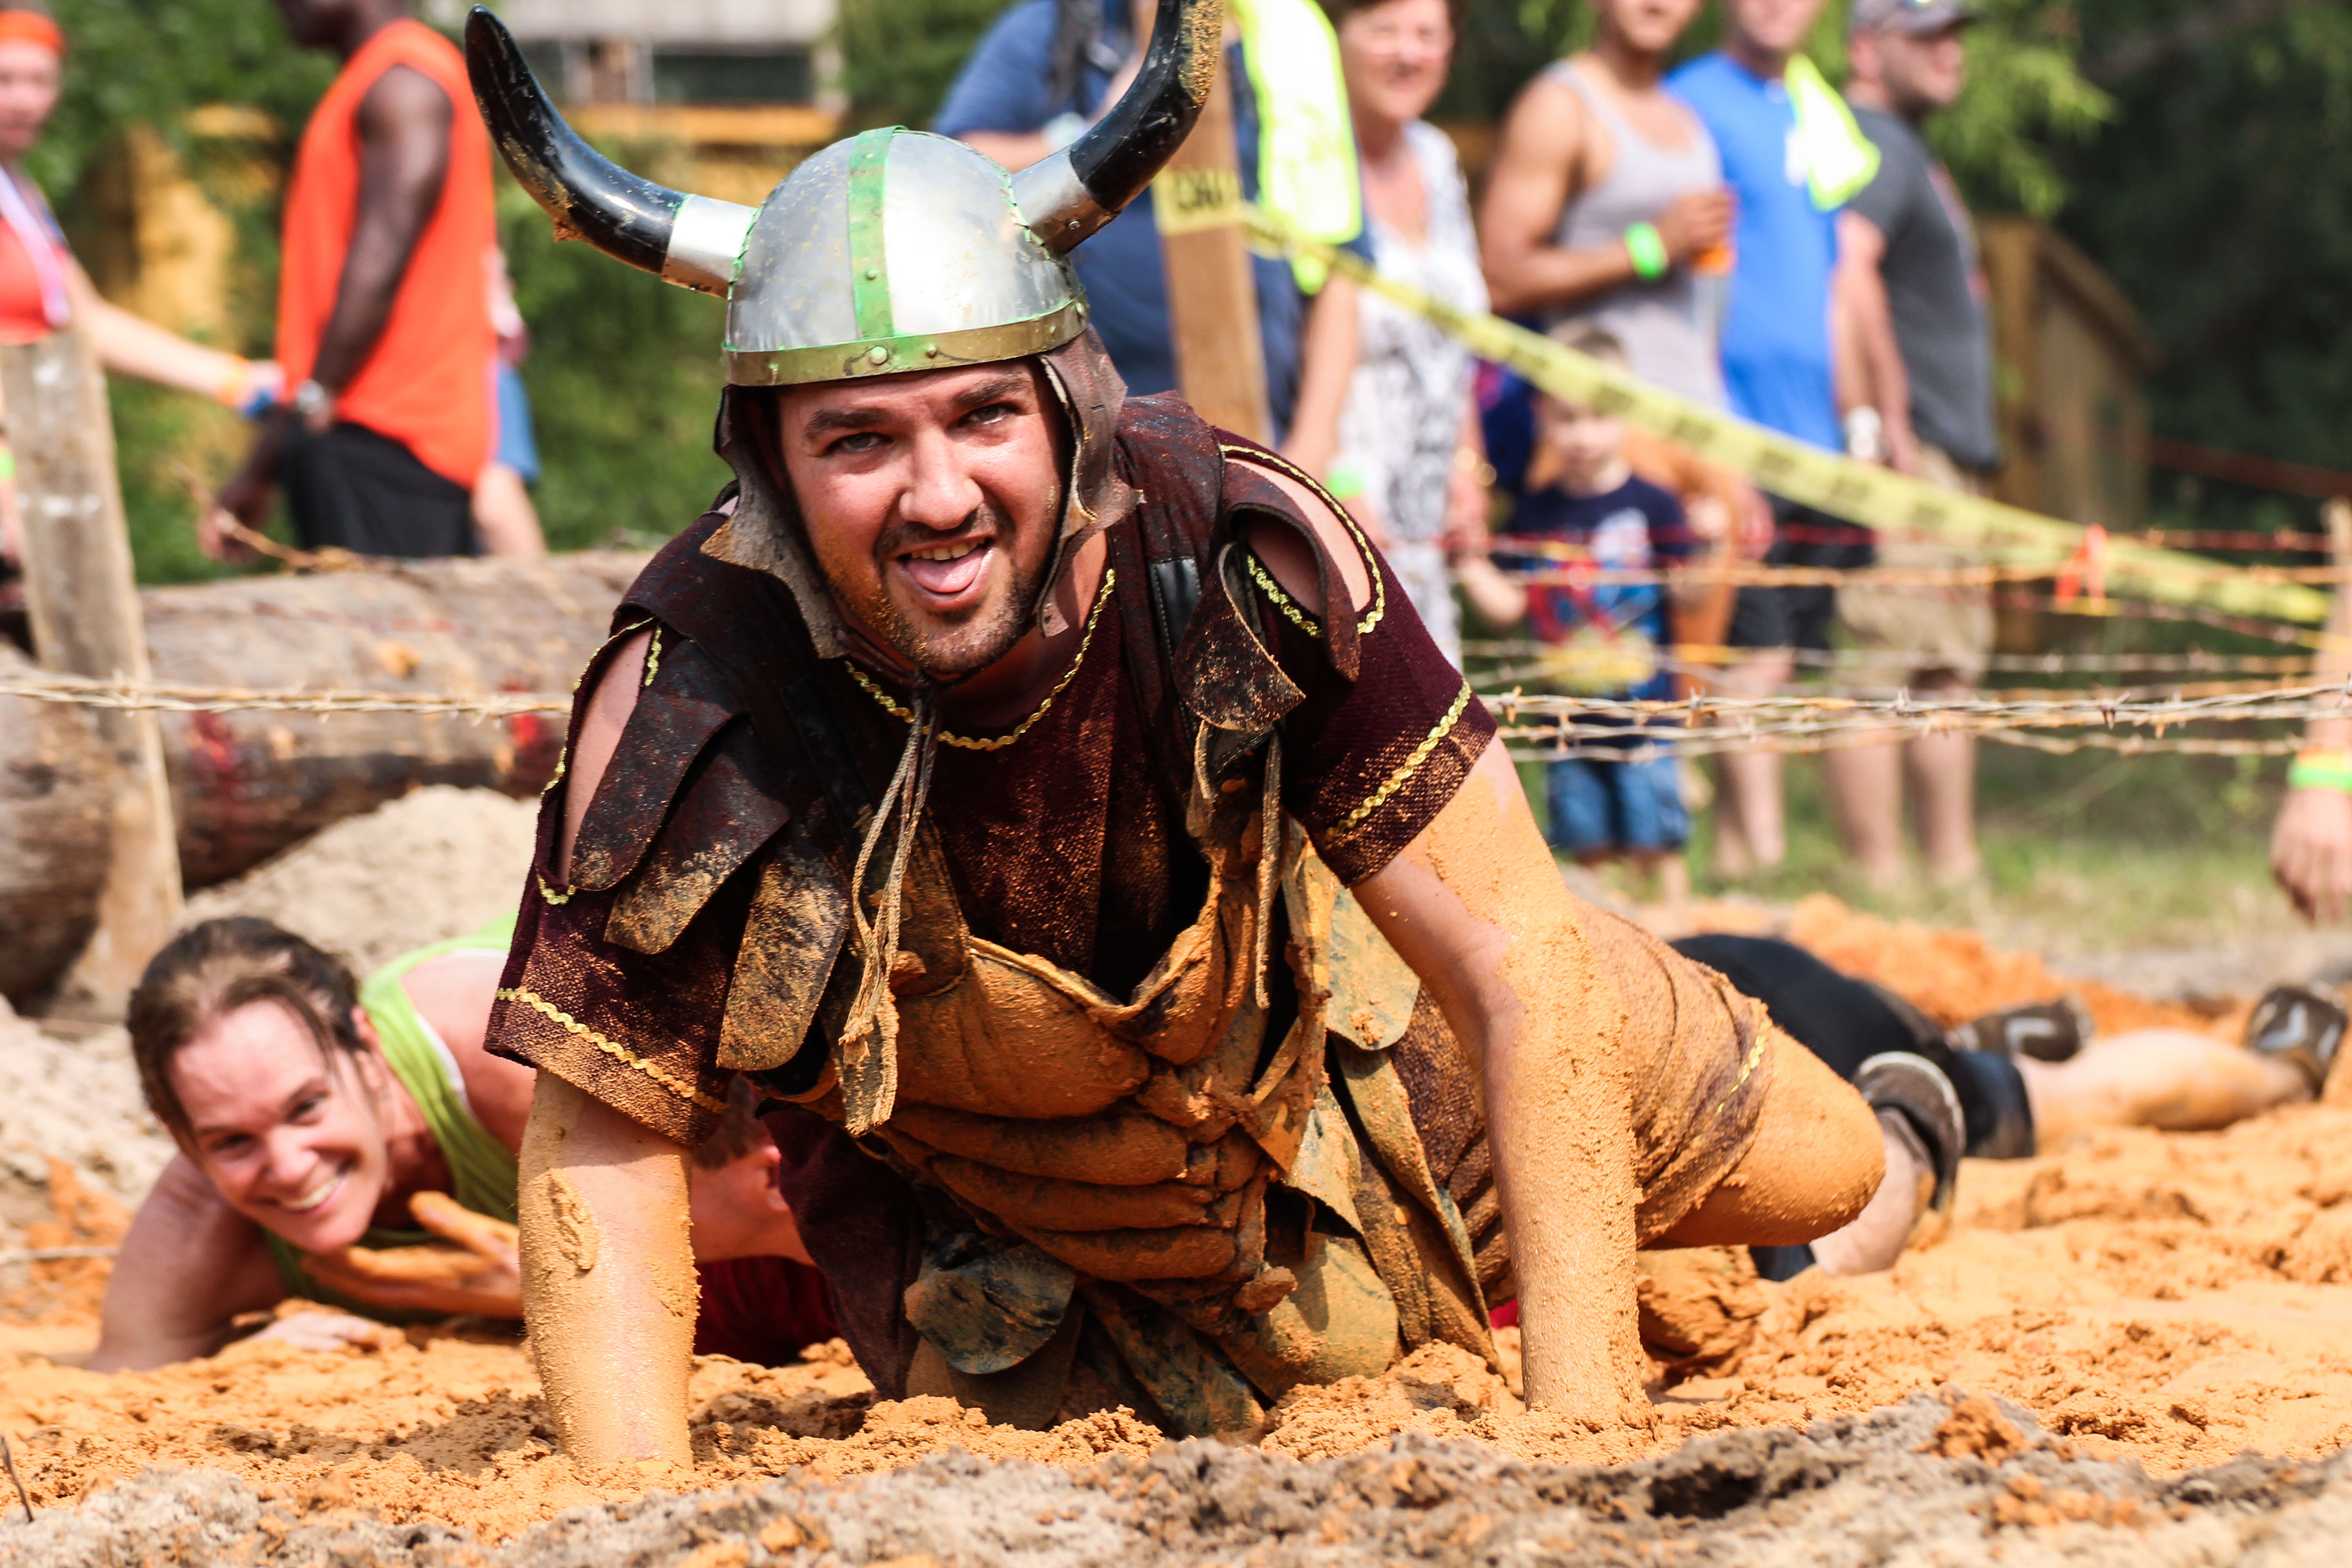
<point x="2199" y="150"/>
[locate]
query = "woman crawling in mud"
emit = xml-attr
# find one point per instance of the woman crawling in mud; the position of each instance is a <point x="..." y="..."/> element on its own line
<point x="322" y="1123"/>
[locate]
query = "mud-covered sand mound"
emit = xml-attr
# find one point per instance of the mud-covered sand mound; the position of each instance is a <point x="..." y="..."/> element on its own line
<point x="438" y="862"/>
<point x="1945" y="1478"/>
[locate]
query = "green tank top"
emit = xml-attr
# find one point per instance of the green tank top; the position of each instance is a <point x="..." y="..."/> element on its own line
<point x="483" y="1176"/>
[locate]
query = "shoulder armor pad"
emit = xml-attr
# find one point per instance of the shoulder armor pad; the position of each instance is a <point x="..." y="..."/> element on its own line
<point x="723" y="816"/>
<point x="684" y="703"/>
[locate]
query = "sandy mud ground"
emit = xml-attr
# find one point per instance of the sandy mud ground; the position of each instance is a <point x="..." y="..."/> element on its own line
<point x="2075" y="1369"/>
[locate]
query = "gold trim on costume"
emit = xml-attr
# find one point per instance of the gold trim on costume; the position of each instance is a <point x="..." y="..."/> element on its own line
<point x="1747" y="1067"/>
<point x="653" y="656"/>
<point x="538" y="1003"/>
<point x="898" y="710"/>
<point x="551" y="895"/>
<point x="1363" y="545"/>
<point x="1282" y="601"/>
<point x="1411" y="764"/>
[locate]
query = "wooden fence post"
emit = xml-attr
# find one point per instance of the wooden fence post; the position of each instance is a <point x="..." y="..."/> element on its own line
<point x="1212" y="297"/>
<point x="83" y="604"/>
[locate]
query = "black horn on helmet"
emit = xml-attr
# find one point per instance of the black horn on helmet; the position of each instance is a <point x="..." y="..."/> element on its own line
<point x="688" y="239"/>
<point x="1069" y="195"/>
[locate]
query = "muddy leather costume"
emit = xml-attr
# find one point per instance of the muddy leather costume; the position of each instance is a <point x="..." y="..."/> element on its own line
<point x="1262" y="1164"/>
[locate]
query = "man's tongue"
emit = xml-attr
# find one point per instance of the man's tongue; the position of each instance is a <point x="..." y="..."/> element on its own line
<point x="947" y="578"/>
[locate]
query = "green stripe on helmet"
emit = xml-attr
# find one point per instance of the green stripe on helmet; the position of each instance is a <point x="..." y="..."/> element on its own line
<point x="869" y="157"/>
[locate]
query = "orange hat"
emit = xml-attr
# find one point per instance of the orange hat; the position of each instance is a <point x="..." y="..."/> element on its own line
<point x="31" y="27"/>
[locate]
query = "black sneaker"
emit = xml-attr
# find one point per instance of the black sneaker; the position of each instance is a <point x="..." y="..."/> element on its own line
<point x="2046" y="1031"/>
<point x="2302" y="1023"/>
<point x="1921" y="1098"/>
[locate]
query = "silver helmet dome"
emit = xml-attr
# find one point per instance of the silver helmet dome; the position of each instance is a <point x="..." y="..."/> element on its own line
<point x="893" y="250"/>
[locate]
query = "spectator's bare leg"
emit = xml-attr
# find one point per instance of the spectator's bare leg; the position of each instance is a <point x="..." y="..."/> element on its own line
<point x="503" y="514"/>
<point x="1751" y="832"/>
<point x="2175" y="1080"/>
<point x="1865" y="785"/>
<point x="1943" y="770"/>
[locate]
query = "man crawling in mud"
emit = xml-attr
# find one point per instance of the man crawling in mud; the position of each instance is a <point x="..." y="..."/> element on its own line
<point x="1054" y="804"/>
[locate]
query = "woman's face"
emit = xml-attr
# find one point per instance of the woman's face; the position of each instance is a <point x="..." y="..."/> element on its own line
<point x="1395" y="56"/>
<point x="288" y="1133"/>
<point x="28" y="91"/>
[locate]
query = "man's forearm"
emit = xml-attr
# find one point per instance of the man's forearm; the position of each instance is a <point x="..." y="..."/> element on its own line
<point x="607" y="1277"/>
<point x="1476" y="906"/>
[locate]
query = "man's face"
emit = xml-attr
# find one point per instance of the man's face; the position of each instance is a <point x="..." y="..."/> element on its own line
<point x="1923" y="72"/>
<point x="1772" y="27"/>
<point x="1650" y="25"/>
<point x="28" y="91"/>
<point x="932" y="501"/>
<point x="314" y="23"/>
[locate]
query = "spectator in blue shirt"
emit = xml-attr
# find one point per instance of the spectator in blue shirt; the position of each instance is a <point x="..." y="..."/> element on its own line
<point x="1777" y="360"/>
<point x="1030" y="88"/>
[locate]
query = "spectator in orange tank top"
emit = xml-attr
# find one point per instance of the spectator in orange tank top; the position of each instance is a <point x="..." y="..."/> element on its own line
<point x="384" y="323"/>
<point x="43" y="289"/>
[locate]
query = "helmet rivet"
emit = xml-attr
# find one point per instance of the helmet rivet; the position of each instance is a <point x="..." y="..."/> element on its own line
<point x="873" y="272"/>
<point x="878" y="355"/>
<point x="930" y="351"/>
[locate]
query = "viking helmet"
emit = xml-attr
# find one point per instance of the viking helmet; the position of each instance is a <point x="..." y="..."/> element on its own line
<point x="893" y="250"/>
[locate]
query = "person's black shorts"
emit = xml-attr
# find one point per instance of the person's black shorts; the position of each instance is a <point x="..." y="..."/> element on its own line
<point x="1845" y="1022"/>
<point x="368" y="493"/>
<point x="1798" y="617"/>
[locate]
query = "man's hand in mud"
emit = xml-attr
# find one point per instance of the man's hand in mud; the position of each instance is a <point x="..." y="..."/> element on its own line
<point x="477" y="1273"/>
<point x="2311" y="852"/>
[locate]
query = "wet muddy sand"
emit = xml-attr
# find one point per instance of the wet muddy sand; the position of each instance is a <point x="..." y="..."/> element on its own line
<point x="2069" y="1371"/>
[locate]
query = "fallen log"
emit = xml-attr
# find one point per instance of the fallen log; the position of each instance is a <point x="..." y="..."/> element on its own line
<point x="54" y="802"/>
<point x="246" y="784"/>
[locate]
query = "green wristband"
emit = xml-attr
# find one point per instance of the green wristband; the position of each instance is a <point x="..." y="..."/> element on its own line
<point x="2321" y="769"/>
<point x="7" y="465"/>
<point x="1647" y="252"/>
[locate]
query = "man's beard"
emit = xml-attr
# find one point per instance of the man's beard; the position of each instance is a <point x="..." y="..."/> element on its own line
<point x="986" y="634"/>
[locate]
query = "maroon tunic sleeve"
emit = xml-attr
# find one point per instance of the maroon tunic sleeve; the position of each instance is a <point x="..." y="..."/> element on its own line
<point x="618" y="978"/>
<point x="1367" y="763"/>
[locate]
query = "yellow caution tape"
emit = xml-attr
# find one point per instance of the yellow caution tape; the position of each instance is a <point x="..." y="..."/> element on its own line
<point x="1858" y="492"/>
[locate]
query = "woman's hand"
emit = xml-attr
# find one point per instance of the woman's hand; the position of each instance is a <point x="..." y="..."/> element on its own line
<point x="480" y="1273"/>
<point x="2311" y="852"/>
<point x="325" y="1332"/>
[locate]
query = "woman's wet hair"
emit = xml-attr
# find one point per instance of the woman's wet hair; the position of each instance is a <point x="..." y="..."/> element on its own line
<point x="211" y="970"/>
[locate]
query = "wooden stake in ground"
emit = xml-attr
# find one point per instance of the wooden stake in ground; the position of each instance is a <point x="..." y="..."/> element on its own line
<point x="84" y="608"/>
<point x="1212" y="299"/>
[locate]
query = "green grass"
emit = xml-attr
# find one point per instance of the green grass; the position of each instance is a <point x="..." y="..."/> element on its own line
<point x="2089" y="852"/>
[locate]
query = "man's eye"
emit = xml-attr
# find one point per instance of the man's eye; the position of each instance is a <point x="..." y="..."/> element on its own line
<point x="991" y="413"/>
<point x="229" y="1148"/>
<point x="862" y="441"/>
<point x="308" y="1109"/>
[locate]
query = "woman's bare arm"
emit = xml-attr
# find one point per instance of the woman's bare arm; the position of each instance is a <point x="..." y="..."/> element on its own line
<point x="188" y="1267"/>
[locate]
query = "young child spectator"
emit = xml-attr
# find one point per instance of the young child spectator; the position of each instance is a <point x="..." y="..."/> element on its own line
<point x="1586" y="504"/>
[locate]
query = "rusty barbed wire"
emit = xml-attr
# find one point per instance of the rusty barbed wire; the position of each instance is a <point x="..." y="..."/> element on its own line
<point x="147" y="696"/>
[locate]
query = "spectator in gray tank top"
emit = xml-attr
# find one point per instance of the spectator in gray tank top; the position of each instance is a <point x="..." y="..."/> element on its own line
<point x="1913" y="290"/>
<point x="1410" y="454"/>
<point x="1607" y="200"/>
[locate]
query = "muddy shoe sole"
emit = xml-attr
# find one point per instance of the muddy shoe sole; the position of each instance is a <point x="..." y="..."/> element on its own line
<point x="2046" y="1031"/>
<point x="1917" y="1090"/>
<point x="2299" y="1023"/>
